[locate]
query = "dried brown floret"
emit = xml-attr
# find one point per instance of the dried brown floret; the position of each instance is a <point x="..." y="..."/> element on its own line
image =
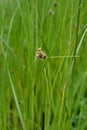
<point x="51" y="12"/>
<point x="40" y="54"/>
<point x="55" y="4"/>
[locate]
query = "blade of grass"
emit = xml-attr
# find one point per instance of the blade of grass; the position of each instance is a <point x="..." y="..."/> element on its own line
<point x="77" y="30"/>
<point x="13" y="90"/>
<point x="11" y="25"/>
<point x="62" y="104"/>
<point x="35" y="24"/>
<point x="80" y="43"/>
<point x="77" y="50"/>
<point x="57" y="57"/>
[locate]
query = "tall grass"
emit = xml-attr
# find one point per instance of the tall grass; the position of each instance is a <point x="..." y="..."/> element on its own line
<point x="44" y="94"/>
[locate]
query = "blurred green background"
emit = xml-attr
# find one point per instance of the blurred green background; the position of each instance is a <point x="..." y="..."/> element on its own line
<point x="44" y="94"/>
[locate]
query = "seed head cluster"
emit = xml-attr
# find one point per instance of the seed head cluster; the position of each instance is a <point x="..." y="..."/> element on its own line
<point x="40" y="54"/>
<point x="52" y="11"/>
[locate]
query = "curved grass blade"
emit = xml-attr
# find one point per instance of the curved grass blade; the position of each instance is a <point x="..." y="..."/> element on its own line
<point x="13" y="90"/>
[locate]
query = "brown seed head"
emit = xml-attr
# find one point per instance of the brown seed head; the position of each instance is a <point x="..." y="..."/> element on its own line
<point x="55" y="4"/>
<point x="51" y="12"/>
<point x="40" y="54"/>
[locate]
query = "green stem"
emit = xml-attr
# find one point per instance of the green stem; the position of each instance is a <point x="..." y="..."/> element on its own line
<point x="77" y="28"/>
<point x="77" y="31"/>
<point x="13" y="90"/>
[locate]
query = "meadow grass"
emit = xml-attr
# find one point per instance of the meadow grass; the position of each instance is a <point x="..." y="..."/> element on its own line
<point x="49" y="93"/>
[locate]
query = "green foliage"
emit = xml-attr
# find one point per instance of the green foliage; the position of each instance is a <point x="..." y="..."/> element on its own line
<point x="43" y="94"/>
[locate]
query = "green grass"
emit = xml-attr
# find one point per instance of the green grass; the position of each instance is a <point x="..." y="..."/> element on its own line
<point x="48" y="94"/>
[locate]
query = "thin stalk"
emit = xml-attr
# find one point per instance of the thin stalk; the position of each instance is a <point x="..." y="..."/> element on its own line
<point x="77" y="33"/>
<point x="13" y="90"/>
<point x="77" y="28"/>
<point x="56" y="57"/>
<point x="80" y="43"/>
<point x="77" y="50"/>
<point x="35" y="24"/>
